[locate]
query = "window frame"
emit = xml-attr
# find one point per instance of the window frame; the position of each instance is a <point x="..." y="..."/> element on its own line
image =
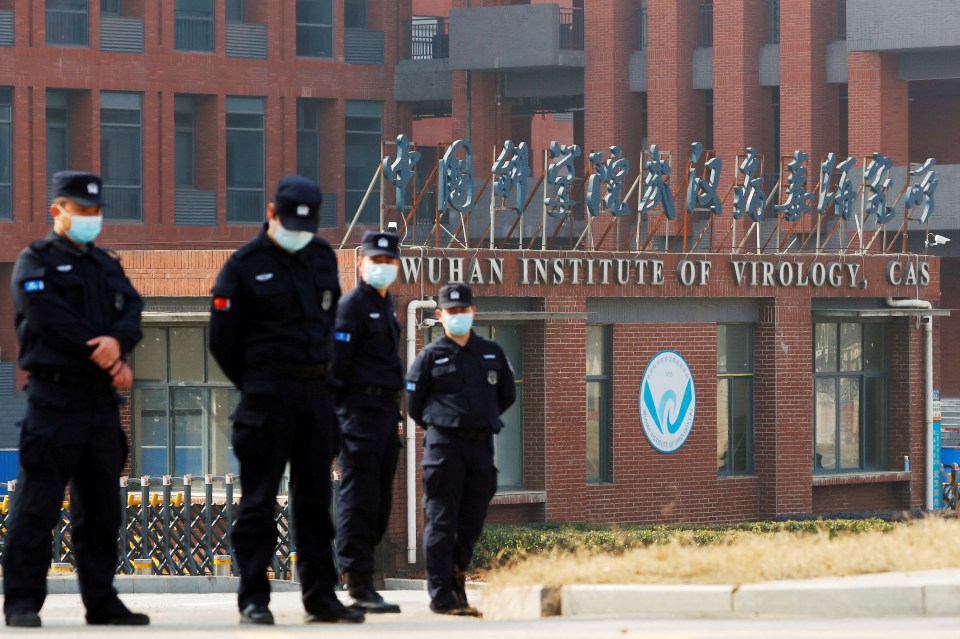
<point x="731" y="379"/>
<point x="314" y="27"/>
<point x="190" y="130"/>
<point x="373" y="201"/>
<point x="66" y="11"/>
<point x="356" y="14"/>
<point x="182" y="19"/>
<point x="605" y="419"/>
<point x="262" y="130"/>
<point x="112" y="212"/>
<point x="6" y="100"/>
<point x="861" y="375"/>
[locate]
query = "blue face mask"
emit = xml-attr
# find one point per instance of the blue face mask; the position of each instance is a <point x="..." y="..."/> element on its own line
<point x="291" y="241"/>
<point x="84" y="228"/>
<point x="459" y="324"/>
<point x="380" y="275"/>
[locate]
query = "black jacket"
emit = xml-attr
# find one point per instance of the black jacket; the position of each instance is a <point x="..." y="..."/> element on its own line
<point x="270" y="305"/>
<point x="460" y="387"/>
<point x="367" y="340"/>
<point x="65" y="295"/>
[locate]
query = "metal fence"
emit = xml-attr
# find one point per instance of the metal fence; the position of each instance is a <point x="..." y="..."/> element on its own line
<point x="571" y="29"/>
<point x="426" y="39"/>
<point x="177" y="530"/>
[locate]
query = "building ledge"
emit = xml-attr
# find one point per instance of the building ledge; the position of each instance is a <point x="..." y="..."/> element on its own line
<point x="846" y="479"/>
<point x="519" y="497"/>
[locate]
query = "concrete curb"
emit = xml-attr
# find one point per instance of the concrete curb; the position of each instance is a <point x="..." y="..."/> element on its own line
<point x="392" y="583"/>
<point x="154" y="584"/>
<point x="660" y="599"/>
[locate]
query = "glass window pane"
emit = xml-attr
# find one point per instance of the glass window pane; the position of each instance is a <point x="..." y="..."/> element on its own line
<point x="120" y="155"/>
<point x="183" y="158"/>
<point x="314" y="42"/>
<point x="151" y="431"/>
<point x="851" y="347"/>
<point x="214" y="373"/>
<point x="150" y="356"/>
<point x="741" y="418"/>
<point x="723" y="425"/>
<point x="355" y="14"/>
<point x="223" y="401"/>
<point x="315" y="11"/>
<point x="849" y="422"/>
<point x="115" y="100"/>
<point x="595" y="350"/>
<point x="244" y="159"/>
<point x="594" y="423"/>
<point x="825" y="439"/>
<point x="874" y="423"/>
<point x="825" y="348"/>
<point x="238" y="104"/>
<point x="186" y="354"/>
<point x="187" y="417"/>
<point x="734" y="348"/>
<point x="874" y="348"/>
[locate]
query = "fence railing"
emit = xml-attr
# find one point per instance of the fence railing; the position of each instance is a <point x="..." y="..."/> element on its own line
<point x="193" y="34"/>
<point x="426" y="39"/>
<point x="67" y="27"/>
<point x="168" y="524"/>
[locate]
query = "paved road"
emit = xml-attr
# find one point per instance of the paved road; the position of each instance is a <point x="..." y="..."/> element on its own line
<point x="215" y="617"/>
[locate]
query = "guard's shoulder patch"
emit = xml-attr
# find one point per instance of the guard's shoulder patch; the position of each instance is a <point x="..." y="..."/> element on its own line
<point x="221" y="303"/>
<point x="342" y="336"/>
<point x="411" y="386"/>
<point x="33" y="286"/>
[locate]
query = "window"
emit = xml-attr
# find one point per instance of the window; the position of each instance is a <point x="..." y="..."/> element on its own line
<point x="315" y="28"/>
<point x="181" y="405"/>
<point x="245" y="159"/>
<point x="67" y="23"/>
<point x="850" y="397"/>
<point x="706" y="24"/>
<point x="110" y="7"/>
<point x="58" y="132"/>
<point x="598" y="405"/>
<point x="234" y="10"/>
<point x="184" y="125"/>
<point x="121" y="155"/>
<point x="308" y="138"/>
<point x="774" y="22"/>
<point x="355" y="14"/>
<point x="194" y="25"/>
<point x="364" y="126"/>
<point x="6" y="153"/>
<point x="734" y="399"/>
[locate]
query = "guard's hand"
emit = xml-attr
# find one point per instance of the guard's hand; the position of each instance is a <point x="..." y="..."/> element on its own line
<point x="123" y="378"/>
<point x="106" y="351"/>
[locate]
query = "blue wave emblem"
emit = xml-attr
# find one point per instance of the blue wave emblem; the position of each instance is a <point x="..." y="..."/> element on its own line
<point x="660" y="414"/>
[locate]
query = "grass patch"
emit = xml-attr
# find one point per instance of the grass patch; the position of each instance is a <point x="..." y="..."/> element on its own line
<point x="724" y="554"/>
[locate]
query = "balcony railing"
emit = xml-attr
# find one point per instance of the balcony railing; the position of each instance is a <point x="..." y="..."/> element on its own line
<point x="706" y="24"/>
<point x="642" y="29"/>
<point x="123" y="202"/>
<point x="774" y="22"/>
<point x="244" y="205"/>
<point x="67" y="28"/>
<point x="426" y="39"/>
<point x="193" y="34"/>
<point x="571" y="29"/>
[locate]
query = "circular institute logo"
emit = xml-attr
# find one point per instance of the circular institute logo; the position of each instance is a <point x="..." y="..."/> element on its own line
<point x="668" y="401"/>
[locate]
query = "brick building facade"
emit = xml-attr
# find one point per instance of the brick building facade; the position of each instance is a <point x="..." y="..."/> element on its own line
<point x="192" y="112"/>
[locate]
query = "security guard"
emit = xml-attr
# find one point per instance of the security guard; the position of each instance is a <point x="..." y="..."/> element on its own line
<point x="271" y="331"/>
<point x="457" y="389"/>
<point x="77" y="319"/>
<point x="371" y="373"/>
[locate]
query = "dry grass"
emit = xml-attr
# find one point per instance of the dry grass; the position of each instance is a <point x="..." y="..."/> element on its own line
<point x="922" y="545"/>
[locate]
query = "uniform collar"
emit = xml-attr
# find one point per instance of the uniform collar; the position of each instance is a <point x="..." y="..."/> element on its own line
<point x="264" y="241"/>
<point x="372" y="293"/>
<point x="470" y="345"/>
<point x="67" y="246"/>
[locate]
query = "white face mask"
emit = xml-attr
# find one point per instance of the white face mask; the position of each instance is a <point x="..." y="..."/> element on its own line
<point x="380" y="275"/>
<point x="291" y="241"/>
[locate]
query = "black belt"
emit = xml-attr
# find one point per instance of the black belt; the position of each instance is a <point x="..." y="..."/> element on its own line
<point x="472" y="434"/>
<point x="389" y="394"/>
<point x="78" y="381"/>
<point x="295" y="370"/>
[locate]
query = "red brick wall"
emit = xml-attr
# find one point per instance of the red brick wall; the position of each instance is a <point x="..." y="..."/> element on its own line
<point x="857" y="498"/>
<point x="878" y="105"/>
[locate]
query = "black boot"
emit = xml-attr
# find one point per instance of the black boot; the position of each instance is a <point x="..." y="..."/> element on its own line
<point x="365" y="596"/>
<point x="460" y="592"/>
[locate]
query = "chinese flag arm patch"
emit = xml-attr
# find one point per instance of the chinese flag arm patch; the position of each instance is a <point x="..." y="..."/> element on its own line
<point x="221" y="303"/>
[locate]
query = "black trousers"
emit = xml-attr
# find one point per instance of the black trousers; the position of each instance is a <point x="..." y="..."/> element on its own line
<point x="368" y="460"/>
<point x="68" y="437"/>
<point x="459" y="479"/>
<point x="279" y="422"/>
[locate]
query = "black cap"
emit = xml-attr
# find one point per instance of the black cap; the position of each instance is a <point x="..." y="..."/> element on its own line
<point x="86" y="189"/>
<point x="456" y="296"/>
<point x="297" y="203"/>
<point x="378" y="243"/>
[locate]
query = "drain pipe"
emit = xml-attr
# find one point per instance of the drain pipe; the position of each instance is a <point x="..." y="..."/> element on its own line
<point x="928" y="383"/>
<point x="411" y="434"/>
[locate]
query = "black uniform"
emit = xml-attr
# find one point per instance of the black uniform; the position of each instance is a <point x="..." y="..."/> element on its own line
<point x="271" y="329"/>
<point x="65" y="295"/>
<point x="370" y="370"/>
<point x="458" y="394"/>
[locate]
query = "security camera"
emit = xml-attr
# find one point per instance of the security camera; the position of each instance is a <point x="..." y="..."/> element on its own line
<point x="392" y="227"/>
<point x="936" y="241"/>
